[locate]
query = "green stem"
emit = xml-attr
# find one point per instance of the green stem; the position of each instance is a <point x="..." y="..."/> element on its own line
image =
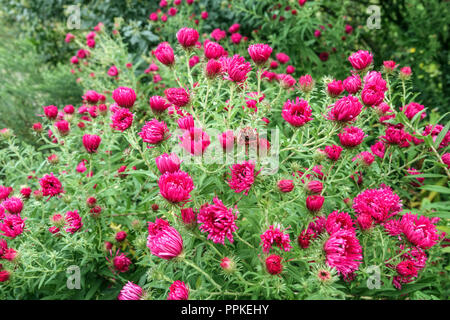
<point x="193" y="265"/>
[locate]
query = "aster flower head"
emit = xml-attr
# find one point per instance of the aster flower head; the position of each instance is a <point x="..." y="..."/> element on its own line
<point x="380" y="204"/>
<point x="122" y="119"/>
<point x="164" y="241"/>
<point x="124" y="97"/>
<point x="154" y="132"/>
<point x="242" y="176"/>
<point x="195" y="141"/>
<point x="12" y="226"/>
<point x="297" y="113"/>
<point x="275" y="236"/>
<point x="339" y="221"/>
<point x="176" y="187"/>
<point x="187" y="37"/>
<point x="178" y="291"/>
<point x="50" y="185"/>
<point x="180" y="97"/>
<point x="91" y="142"/>
<point x="168" y="163"/>
<point x="164" y="54"/>
<point x="218" y="221"/>
<point x="13" y="205"/>
<point x="420" y="231"/>
<point x="131" y="291"/>
<point x="73" y="221"/>
<point x="158" y="104"/>
<point x="351" y="137"/>
<point x="236" y="69"/>
<point x="343" y="252"/>
<point x="259" y="53"/>
<point x="361" y="59"/>
<point x="333" y="152"/>
<point x="274" y="265"/>
<point x="345" y="109"/>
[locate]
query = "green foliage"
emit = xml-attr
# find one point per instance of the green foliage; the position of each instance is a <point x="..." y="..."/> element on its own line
<point x="28" y="84"/>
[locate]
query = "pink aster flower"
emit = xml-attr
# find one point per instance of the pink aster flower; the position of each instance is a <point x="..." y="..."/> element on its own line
<point x="218" y="221"/>
<point x="259" y="53"/>
<point x="365" y="158"/>
<point x="420" y="231"/>
<point x="164" y="54"/>
<point x="335" y="88"/>
<point x="274" y="235"/>
<point x="12" y="226"/>
<point x="306" y="83"/>
<point x="168" y="163"/>
<point x="178" y="96"/>
<point x="158" y="104"/>
<point x="122" y="119"/>
<point x="242" y="177"/>
<point x="396" y="136"/>
<point x="187" y="37"/>
<point x="343" y="252"/>
<point x="195" y="141"/>
<point x="374" y="89"/>
<point x="345" y="109"/>
<point x="73" y="221"/>
<point x="352" y="84"/>
<point x="339" y="221"/>
<point x="218" y="34"/>
<point x="235" y="68"/>
<point x="285" y="185"/>
<point x="131" y="291"/>
<point x="213" y="50"/>
<point x="360" y="59"/>
<point x="314" y="203"/>
<point x="351" y="137"/>
<point x="113" y="71"/>
<point x="63" y="127"/>
<point x="50" y="185"/>
<point x="124" y="97"/>
<point x="297" y="113"/>
<point x="154" y="132"/>
<point x="91" y="142"/>
<point x="380" y="204"/>
<point x="51" y="112"/>
<point x="411" y="109"/>
<point x="282" y="57"/>
<point x="163" y="240"/>
<point x="333" y="152"/>
<point x="434" y="130"/>
<point x="176" y="186"/>
<point x="178" y="291"/>
<point x="378" y="149"/>
<point x="13" y="205"/>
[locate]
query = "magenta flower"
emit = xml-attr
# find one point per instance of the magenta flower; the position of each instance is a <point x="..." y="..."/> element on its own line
<point x="12" y="226"/>
<point x="343" y="252"/>
<point x="163" y="240"/>
<point x="176" y="186"/>
<point x="195" y="141"/>
<point x="158" y="104"/>
<point x="339" y="221"/>
<point x="345" y="109"/>
<point x="218" y="221"/>
<point x="187" y="37"/>
<point x="178" y="96"/>
<point x="168" y="163"/>
<point x="236" y="68"/>
<point x="259" y="53"/>
<point x="351" y="137"/>
<point x="297" y="113"/>
<point x="178" y="291"/>
<point x="164" y="54"/>
<point x="154" y="132"/>
<point x="122" y="119"/>
<point x="131" y="291"/>
<point x="360" y="59"/>
<point x="13" y="205"/>
<point x="73" y="221"/>
<point x="124" y="97"/>
<point x="275" y="236"/>
<point x="91" y="142"/>
<point x="50" y="185"/>
<point x="242" y="177"/>
<point x="213" y="50"/>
